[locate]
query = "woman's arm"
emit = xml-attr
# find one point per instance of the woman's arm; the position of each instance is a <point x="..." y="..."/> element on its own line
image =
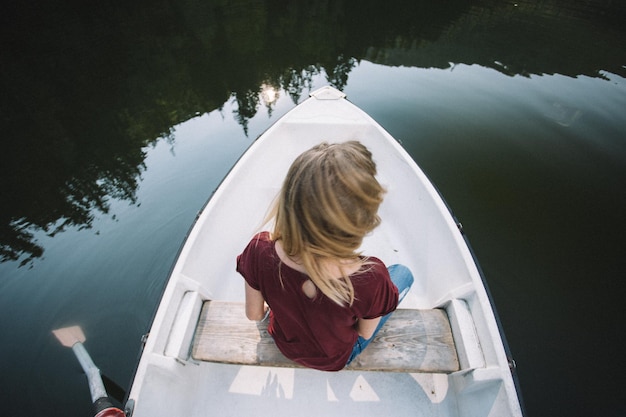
<point x="255" y="304"/>
<point x="366" y="327"/>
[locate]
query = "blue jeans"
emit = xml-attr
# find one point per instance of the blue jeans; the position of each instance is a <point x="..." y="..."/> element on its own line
<point x="403" y="279"/>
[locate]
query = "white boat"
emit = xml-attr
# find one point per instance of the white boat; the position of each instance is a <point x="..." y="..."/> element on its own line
<point x="417" y="230"/>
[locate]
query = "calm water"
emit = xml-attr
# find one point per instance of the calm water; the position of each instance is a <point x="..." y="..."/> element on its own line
<point x="119" y="121"/>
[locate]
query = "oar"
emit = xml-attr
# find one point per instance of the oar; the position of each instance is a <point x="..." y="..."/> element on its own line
<point x="74" y="337"/>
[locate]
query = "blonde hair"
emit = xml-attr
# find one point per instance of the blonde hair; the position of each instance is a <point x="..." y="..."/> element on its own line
<point x="328" y="202"/>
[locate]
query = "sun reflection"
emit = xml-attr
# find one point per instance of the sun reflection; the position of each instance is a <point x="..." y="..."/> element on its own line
<point x="269" y="95"/>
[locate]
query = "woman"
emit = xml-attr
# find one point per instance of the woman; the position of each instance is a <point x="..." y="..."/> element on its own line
<point x="326" y="301"/>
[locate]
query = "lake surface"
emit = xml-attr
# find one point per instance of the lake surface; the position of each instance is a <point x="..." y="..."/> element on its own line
<point x="119" y="121"/>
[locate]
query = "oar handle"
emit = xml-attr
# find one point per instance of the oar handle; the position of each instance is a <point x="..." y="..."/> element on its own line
<point x="103" y="407"/>
<point x="96" y="386"/>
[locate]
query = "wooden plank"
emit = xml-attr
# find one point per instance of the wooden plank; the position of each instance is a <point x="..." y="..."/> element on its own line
<point x="224" y="334"/>
<point x="410" y="341"/>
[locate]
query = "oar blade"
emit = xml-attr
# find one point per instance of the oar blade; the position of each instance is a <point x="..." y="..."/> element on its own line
<point x="69" y="336"/>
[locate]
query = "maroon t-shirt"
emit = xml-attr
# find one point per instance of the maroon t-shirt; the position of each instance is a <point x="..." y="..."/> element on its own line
<point x="317" y="332"/>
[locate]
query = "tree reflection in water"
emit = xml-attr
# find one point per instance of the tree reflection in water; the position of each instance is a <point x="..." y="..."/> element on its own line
<point x="85" y="89"/>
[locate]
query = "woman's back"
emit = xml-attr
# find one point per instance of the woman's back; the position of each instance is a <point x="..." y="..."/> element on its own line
<point x="314" y="331"/>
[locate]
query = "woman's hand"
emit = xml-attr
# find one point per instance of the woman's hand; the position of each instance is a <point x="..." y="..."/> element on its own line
<point x="366" y="327"/>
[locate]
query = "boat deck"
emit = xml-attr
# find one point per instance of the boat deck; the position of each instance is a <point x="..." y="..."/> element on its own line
<point x="242" y="390"/>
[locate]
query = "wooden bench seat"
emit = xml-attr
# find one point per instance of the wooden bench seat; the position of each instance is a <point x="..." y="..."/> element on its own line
<point x="410" y="341"/>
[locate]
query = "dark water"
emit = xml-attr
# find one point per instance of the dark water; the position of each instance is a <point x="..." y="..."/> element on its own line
<point x="118" y="121"/>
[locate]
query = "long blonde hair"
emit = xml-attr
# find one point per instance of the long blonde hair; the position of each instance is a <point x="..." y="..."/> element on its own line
<point x="328" y="202"/>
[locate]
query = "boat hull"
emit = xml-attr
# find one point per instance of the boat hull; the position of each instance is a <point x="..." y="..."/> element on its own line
<point x="417" y="230"/>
